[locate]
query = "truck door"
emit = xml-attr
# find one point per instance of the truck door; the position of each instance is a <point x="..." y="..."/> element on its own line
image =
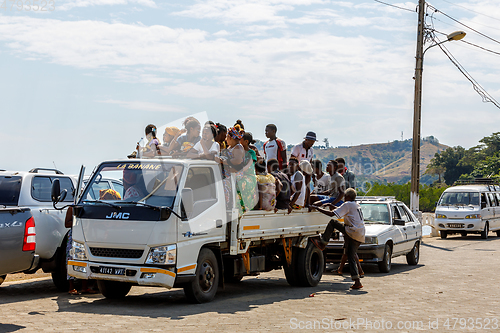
<point x="398" y="231"/>
<point x="208" y="209"/>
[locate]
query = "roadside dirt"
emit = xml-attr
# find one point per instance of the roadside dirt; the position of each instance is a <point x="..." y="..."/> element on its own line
<point x="22" y="276"/>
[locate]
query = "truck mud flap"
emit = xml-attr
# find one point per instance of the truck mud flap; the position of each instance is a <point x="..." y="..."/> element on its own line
<point x="257" y="264"/>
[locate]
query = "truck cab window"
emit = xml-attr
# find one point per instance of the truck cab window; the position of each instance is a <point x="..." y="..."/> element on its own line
<point x="202" y="181"/>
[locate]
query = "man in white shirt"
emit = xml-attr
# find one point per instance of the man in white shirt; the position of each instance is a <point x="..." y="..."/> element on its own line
<point x="321" y="180"/>
<point x="274" y="147"/>
<point x="297" y="180"/>
<point x="304" y="150"/>
<point x="353" y="230"/>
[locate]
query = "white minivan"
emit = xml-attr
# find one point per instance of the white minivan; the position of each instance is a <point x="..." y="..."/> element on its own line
<point x="468" y="209"/>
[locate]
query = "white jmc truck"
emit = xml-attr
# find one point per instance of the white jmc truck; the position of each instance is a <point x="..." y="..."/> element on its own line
<point x="175" y="225"/>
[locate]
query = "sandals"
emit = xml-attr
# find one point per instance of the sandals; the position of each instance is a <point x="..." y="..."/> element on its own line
<point x="74" y="292"/>
<point x="356" y="286"/>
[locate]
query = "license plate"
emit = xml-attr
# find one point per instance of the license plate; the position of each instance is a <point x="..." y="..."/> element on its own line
<point x="455" y="225"/>
<point x="111" y="270"/>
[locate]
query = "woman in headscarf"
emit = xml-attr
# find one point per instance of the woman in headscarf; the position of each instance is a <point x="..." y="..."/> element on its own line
<point x="239" y="162"/>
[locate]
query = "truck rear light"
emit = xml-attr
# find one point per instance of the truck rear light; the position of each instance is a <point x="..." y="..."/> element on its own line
<point x="29" y="243"/>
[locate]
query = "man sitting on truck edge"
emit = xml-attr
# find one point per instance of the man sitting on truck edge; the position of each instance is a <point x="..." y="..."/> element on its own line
<point x="353" y="230"/>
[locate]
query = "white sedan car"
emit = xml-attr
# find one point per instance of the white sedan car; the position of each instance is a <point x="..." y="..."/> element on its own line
<point x="391" y="230"/>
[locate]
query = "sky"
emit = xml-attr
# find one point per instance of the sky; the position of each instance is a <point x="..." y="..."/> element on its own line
<point x="80" y="80"/>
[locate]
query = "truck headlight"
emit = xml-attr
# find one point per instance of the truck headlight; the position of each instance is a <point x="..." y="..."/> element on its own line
<point x="162" y="255"/>
<point x="441" y="216"/>
<point x="78" y="251"/>
<point x="371" y="240"/>
<point x="473" y="216"/>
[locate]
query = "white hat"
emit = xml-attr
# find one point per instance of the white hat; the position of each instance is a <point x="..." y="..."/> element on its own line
<point x="305" y="166"/>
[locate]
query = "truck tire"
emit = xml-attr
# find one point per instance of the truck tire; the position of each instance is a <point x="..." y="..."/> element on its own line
<point x="310" y="265"/>
<point x="498" y="233"/>
<point x="413" y="256"/>
<point x="384" y="266"/>
<point x="113" y="289"/>
<point x="484" y="233"/>
<point x="204" y="286"/>
<point x="2" y="278"/>
<point x="443" y="234"/>
<point x="291" y="271"/>
<point x="60" y="275"/>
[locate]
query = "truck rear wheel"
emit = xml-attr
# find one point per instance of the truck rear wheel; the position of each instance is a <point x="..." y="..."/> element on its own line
<point x="291" y="270"/>
<point x="2" y="278"/>
<point x="113" y="289"/>
<point x="310" y="265"/>
<point x="204" y="286"/>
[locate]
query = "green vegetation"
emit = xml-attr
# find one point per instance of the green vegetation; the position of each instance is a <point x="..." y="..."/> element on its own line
<point x="456" y="163"/>
<point x="429" y="194"/>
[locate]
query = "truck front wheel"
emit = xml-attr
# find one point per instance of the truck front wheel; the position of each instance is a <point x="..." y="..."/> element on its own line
<point x="204" y="286"/>
<point x="310" y="265"/>
<point x="113" y="289"/>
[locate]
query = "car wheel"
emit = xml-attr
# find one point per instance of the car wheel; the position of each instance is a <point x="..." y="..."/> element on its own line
<point x="2" y="278"/>
<point x="463" y="234"/>
<point x="484" y="233"/>
<point x="384" y="266"/>
<point x="60" y="274"/>
<point x="113" y="289"/>
<point x="413" y="256"/>
<point x="204" y="286"/>
<point x="443" y="234"/>
<point x="498" y="233"/>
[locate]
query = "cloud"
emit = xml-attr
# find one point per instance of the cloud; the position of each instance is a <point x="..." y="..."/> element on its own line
<point x="71" y="4"/>
<point x="144" y="106"/>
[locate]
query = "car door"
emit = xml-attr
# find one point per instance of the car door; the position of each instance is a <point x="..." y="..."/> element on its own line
<point x="413" y="227"/>
<point x="398" y="232"/>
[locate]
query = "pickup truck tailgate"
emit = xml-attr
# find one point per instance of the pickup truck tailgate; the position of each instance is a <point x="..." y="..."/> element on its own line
<point x="12" y="224"/>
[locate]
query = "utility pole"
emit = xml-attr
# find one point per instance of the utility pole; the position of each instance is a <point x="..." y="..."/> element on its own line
<point x="415" y="155"/>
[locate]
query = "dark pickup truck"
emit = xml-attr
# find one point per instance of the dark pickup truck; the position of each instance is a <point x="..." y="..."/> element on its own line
<point x="17" y="233"/>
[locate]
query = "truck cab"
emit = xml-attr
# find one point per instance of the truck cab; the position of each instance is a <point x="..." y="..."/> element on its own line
<point x="175" y="224"/>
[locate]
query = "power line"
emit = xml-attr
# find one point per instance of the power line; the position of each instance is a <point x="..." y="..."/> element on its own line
<point x="483" y="48"/>
<point x="487" y="98"/>
<point x="453" y="19"/>
<point x="388" y="4"/>
<point x="454" y="4"/>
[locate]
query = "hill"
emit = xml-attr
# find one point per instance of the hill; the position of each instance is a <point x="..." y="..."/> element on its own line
<point x="384" y="162"/>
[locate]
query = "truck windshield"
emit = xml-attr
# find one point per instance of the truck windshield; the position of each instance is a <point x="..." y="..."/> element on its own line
<point x="375" y="213"/>
<point x="152" y="183"/>
<point x="459" y="198"/>
<point x="10" y="186"/>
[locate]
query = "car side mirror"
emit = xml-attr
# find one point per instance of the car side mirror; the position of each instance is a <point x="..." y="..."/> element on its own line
<point x="399" y="222"/>
<point x="187" y="201"/>
<point x="56" y="195"/>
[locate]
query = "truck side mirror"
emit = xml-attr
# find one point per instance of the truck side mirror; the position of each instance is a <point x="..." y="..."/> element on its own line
<point x="399" y="222"/>
<point x="187" y="201"/>
<point x="56" y="194"/>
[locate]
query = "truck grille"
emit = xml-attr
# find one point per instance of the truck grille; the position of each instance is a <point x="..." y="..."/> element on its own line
<point x="116" y="253"/>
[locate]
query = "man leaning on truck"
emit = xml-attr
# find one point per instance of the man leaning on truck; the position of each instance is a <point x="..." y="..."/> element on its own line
<point x="353" y="230"/>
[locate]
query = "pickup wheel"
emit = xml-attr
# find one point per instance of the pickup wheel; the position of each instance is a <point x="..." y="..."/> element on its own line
<point x="413" y="256"/>
<point x="113" y="289"/>
<point x="2" y="278"/>
<point x="60" y="275"/>
<point x="484" y="233"/>
<point x="463" y="234"/>
<point x="291" y="270"/>
<point x="443" y="234"/>
<point x="204" y="286"/>
<point x="310" y="265"/>
<point x="498" y="233"/>
<point x="384" y="266"/>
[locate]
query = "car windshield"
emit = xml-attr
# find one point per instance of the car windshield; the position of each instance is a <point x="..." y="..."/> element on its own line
<point x="375" y="213"/>
<point x="10" y="186"/>
<point x="151" y="183"/>
<point x="459" y="198"/>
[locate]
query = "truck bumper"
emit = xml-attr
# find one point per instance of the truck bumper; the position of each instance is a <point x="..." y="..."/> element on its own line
<point x="144" y="276"/>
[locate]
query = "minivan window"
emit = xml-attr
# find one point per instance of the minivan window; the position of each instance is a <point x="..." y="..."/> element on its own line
<point x="459" y="199"/>
<point x="10" y="187"/>
<point x="41" y="188"/>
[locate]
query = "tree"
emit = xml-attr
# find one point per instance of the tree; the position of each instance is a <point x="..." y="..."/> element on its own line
<point x="450" y="159"/>
<point x="327" y="144"/>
